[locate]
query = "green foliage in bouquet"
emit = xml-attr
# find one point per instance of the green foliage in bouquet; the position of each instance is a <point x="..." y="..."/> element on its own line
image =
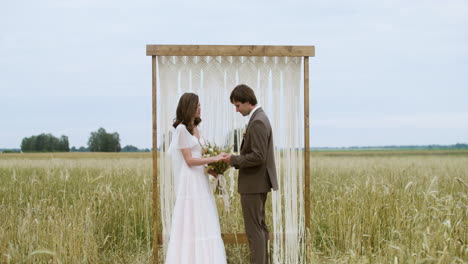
<point x="211" y="150"/>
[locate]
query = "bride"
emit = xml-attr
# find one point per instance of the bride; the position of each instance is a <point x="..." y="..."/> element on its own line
<point x="195" y="233"/>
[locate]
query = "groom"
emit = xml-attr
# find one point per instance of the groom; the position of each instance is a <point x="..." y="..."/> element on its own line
<point x="257" y="170"/>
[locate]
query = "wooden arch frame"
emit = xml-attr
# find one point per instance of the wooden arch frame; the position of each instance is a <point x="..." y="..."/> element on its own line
<point x="230" y="50"/>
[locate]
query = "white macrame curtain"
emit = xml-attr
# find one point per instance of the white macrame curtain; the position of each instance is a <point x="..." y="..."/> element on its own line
<point x="278" y="85"/>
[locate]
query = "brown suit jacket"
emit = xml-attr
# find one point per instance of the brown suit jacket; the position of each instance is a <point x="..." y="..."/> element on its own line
<point x="256" y="162"/>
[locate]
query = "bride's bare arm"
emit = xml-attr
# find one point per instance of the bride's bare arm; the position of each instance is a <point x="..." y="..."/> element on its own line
<point x="191" y="161"/>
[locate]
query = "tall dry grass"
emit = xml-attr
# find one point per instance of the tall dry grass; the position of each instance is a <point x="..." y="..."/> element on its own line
<point x="390" y="209"/>
<point x="367" y="207"/>
<point x="75" y="210"/>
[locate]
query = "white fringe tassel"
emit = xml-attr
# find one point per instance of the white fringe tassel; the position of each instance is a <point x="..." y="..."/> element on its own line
<point x="277" y="82"/>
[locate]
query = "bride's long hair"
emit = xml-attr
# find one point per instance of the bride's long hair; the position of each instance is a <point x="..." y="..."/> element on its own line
<point x="186" y="110"/>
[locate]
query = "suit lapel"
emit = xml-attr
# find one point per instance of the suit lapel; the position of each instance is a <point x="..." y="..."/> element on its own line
<point x="253" y="117"/>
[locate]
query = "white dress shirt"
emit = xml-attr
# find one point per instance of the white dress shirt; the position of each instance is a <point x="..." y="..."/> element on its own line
<point x="251" y="113"/>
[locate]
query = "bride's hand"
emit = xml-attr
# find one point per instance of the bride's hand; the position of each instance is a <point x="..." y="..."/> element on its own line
<point x="217" y="158"/>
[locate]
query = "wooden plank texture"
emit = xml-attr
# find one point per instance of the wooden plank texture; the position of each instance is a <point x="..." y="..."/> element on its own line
<point x="228" y="238"/>
<point x="239" y="238"/>
<point x="307" y="157"/>
<point x="229" y="50"/>
<point x="155" y="165"/>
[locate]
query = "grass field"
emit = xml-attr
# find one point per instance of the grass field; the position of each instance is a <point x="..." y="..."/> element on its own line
<point x="367" y="207"/>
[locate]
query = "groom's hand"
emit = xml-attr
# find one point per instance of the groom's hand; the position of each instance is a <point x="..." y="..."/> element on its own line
<point x="227" y="159"/>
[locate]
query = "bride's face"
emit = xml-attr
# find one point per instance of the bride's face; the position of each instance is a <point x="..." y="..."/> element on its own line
<point x="198" y="113"/>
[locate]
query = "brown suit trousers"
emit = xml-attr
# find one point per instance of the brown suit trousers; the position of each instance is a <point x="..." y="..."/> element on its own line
<point x="253" y="210"/>
<point x="257" y="176"/>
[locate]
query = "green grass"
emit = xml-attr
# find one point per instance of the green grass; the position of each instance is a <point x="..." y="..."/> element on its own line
<point x="367" y="207"/>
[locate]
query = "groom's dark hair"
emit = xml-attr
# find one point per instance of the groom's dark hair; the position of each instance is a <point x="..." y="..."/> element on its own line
<point x="243" y="93"/>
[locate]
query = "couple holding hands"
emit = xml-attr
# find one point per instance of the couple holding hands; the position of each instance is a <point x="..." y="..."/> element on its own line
<point x="195" y="235"/>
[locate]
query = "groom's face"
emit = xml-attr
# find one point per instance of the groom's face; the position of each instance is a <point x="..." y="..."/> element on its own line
<point x="243" y="108"/>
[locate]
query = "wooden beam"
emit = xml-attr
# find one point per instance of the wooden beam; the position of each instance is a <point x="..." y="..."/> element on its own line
<point x="239" y="238"/>
<point x="155" y="167"/>
<point x="229" y="50"/>
<point x="307" y="158"/>
<point x="228" y="238"/>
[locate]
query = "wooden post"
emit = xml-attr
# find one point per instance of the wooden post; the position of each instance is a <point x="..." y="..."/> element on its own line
<point x="155" y="167"/>
<point x="306" y="159"/>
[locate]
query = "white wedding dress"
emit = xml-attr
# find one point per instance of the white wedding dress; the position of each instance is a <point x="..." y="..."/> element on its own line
<point x="195" y="236"/>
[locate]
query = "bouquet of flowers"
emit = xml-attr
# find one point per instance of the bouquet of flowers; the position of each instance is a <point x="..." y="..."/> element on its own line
<point x="218" y="183"/>
<point x="211" y="150"/>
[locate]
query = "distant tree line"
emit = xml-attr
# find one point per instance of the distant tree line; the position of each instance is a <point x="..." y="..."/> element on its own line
<point x="127" y="148"/>
<point x="402" y="147"/>
<point x="130" y="148"/>
<point x="80" y="149"/>
<point x="10" y="150"/>
<point x="99" y="141"/>
<point x="45" y="143"/>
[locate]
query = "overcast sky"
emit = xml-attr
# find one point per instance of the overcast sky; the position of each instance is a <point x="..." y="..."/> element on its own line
<point x="385" y="72"/>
